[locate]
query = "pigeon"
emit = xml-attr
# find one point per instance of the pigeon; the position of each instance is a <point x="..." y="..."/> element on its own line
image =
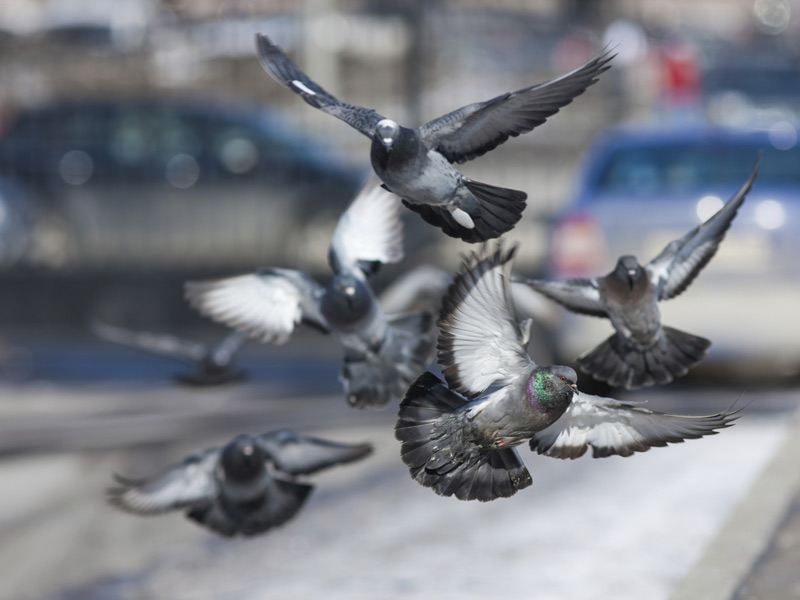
<point x="213" y="364"/>
<point x="642" y="352"/>
<point x="459" y="437"/>
<point x="382" y="354"/>
<point x="245" y="487"/>
<point x="416" y="164"/>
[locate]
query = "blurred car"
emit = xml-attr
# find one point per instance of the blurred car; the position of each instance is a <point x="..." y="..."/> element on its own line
<point x="642" y="186"/>
<point x="168" y="183"/>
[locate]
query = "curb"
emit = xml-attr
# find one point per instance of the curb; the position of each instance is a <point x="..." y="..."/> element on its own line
<point x="748" y="532"/>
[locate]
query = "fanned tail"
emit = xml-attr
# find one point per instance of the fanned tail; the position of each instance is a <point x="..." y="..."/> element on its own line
<point x="440" y="456"/>
<point x="500" y="209"/>
<point x="376" y="379"/>
<point x="621" y="365"/>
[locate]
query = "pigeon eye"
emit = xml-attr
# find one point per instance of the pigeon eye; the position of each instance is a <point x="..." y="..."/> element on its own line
<point x="563" y="378"/>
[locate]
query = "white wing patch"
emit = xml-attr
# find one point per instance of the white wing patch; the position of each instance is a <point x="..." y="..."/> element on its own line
<point x="303" y="87"/>
<point x="611" y="427"/>
<point x="371" y="229"/>
<point x="266" y="307"/>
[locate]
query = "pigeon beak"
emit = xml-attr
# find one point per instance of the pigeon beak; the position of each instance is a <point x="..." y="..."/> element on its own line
<point x="387" y="142"/>
<point x="248" y="450"/>
<point x="631" y="273"/>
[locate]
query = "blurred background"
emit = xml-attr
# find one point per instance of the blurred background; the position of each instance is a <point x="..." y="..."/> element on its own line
<point x="142" y="145"/>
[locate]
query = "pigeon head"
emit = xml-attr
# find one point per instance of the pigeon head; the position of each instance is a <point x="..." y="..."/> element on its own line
<point x="242" y="459"/>
<point x="387" y="132"/>
<point x="628" y="269"/>
<point x="346" y="301"/>
<point x="552" y="387"/>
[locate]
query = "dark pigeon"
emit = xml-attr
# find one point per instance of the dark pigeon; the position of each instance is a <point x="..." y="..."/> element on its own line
<point x="416" y="164"/>
<point x="245" y="487"/>
<point x="642" y="351"/>
<point x="213" y="364"/>
<point x="382" y="354"/>
<point x="459" y="440"/>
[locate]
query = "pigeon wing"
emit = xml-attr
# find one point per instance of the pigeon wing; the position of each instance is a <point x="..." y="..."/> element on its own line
<point x="158" y="343"/>
<point x="285" y="72"/>
<point x="578" y="295"/>
<point x="296" y="454"/>
<point x="480" y="339"/>
<point x="611" y="427"/>
<point x="370" y="231"/>
<point x="189" y="483"/>
<point x="473" y="130"/>
<point x="223" y="353"/>
<point x="265" y="305"/>
<point x="679" y="263"/>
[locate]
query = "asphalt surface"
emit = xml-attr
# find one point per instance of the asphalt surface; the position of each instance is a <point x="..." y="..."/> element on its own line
<point x="633" y="528"/>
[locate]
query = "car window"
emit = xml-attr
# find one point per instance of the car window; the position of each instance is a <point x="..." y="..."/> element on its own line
<point x="677" y="168"/>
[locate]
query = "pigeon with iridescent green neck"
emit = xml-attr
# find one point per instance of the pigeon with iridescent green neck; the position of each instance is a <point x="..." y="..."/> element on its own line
<point x="416" y="164"/>
<point x="458" y="438"/>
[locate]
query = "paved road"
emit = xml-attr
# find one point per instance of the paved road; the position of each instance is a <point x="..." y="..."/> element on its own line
<point x="622" y="528"/>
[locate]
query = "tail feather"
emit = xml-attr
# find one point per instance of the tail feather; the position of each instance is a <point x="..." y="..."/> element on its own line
<point x="376" y="379"/>
<point x="439" y="454"/>
<point x="619" y="364"/>
<point x="499" y="210"/>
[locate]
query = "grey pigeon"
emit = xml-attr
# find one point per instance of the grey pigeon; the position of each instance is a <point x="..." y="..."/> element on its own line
<point x="416" y="163"/>
<point x="642" y="351"/>
<point x="245" y="487"/>
<point x="382" y="354"/>
<point x="458" y="438"/>
<point x="213" y="364"/>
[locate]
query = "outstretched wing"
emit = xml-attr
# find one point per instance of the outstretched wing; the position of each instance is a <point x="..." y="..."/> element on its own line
<point x="480" y="339"/>
<point x="188" y="483"/>
<point x="370" y="231"/>
<point x="578" y="295"/>
<point x="296" y="454"/>
<point x="611" y="427"/>
<point x="473" y="130"/>
<point x="222" y="354"/>
<point x="679" y="263"/>
<point x="265" y="305"/>
<point x="285" y="72"/>
<point x="158" y="343"/>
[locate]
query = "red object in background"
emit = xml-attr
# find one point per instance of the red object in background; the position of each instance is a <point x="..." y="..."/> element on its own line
<point x="679" y="74"/>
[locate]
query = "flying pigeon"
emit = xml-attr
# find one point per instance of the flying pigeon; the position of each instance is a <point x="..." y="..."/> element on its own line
<point x="416" y="164"/>
<point x="245" y="487"/>
<point x="382" y="354"/>
<point x="459" y="439"/>
<point x="213" y="364"/>
<point x="642" y="351"/>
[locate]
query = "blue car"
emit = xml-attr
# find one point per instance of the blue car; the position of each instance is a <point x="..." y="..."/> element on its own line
<point x="642" y="186"/>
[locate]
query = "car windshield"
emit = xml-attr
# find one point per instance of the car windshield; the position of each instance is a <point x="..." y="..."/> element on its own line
<point x="677" y="168"/>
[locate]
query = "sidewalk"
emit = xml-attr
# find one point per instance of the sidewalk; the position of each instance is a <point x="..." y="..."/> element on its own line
<point x="756" y="554"/>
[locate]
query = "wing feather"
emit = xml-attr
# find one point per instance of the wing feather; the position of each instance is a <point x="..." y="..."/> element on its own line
<point x="369" y="231"/>
<point x="611" y="427"/>
<point x="296" y="454"/>
<point x="473" y="130"/>
<point x="188" y="483"/>
<point x="480" y="340"/>
<point x="265" y="305"/>
<point x="679" y="263"/>
<point x="285" y="72"/>
<point x="578" y="295"/>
